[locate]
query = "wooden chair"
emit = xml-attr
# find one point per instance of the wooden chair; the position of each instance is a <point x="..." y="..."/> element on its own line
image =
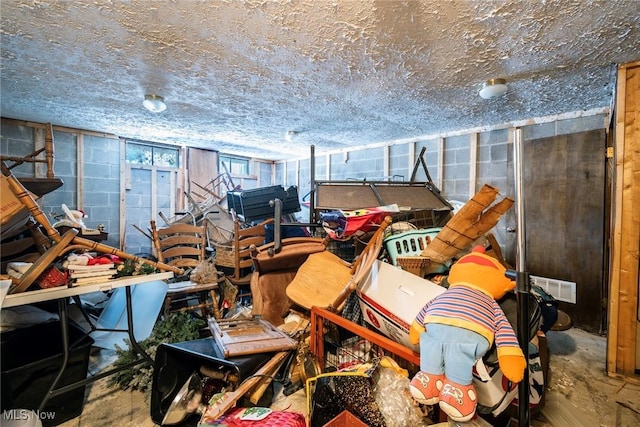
<point x="243" y="240"/>
<point x="184" y="246"/>
<point x="274" y="271"/>
<point x="325" y="280"/>
<point x="44" y="185"/>
<point x="20" y="249"/>
<point x="57" y="245"/>
<point x="27" y="246"/>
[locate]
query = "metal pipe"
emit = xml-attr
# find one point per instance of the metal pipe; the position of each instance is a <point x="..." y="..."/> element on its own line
<point x="312" y="189"/>
<point x="277" y="220"/>
<point x="522" y="277"/>
<point x="518" y="161"/>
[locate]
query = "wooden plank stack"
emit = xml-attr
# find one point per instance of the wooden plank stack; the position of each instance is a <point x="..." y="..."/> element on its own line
<point x="475" y="219"/>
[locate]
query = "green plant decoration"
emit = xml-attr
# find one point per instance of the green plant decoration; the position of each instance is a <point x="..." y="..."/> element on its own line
<point x="176" y="327"/>
<point x="133" y="268"/>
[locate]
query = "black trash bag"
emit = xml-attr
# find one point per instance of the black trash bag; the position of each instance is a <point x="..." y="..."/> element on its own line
<point x="333" y="393"/>
<point x="548" y="305"/>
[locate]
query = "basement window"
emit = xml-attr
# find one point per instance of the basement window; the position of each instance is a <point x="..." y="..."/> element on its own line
<point x="152" y="155"/>
<point x="236" y="166"/>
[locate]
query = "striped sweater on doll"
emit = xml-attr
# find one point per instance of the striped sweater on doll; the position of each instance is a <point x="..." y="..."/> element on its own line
<point x="457" y="328"/>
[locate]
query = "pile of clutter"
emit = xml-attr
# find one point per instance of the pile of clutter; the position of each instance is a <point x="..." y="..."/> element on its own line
<point x="85" y="268"/>
<point x="74" y="270"/>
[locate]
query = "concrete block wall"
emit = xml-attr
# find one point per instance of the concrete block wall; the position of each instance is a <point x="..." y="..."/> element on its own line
<point x="138" y="200"/>
<point x="163" y="195"/>
<point x="141" y="206"/>
<point x="358" y="165"/>
<point x="101" y="184"/>
<point x="248" y="183"/>
<point x="399" y="163"/>
<point x="291" y="172"/>
<point x="431" y="155"/>
<point x="304" y="170"/>
<point x="265" y="174"/>
<point x="18" y="141"/>
<point x="456" y="168"/>
<point x="493" y="156"/>
<point x="287" y="173"/>
<point x="448" y="162"/>
<point x="65" y="167"/>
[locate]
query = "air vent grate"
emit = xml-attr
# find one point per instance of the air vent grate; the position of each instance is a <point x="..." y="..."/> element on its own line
<point x="559" y="289"/>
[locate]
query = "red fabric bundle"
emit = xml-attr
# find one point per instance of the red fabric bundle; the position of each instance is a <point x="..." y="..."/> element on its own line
<point x="52" y="277"/>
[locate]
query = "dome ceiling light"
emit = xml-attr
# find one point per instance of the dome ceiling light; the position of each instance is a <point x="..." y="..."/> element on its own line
<point x="493" y="88"/>
<point x="290" y="135"/>
<point x="154" y="103"/>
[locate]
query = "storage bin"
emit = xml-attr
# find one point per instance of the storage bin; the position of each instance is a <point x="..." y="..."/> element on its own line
<point x="30" y="360"/>
<point x="174" y="364"/>
<point x="390" y="299"/>
<point x="253" y="205"/>
<point x="409" y="243"/>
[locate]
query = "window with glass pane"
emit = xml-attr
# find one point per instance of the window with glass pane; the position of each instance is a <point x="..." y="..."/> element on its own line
<point x="145" y="154"/>
<point x="235" y="165"/>
<point x="165" y="157"/>
<point x="139" y="154"/>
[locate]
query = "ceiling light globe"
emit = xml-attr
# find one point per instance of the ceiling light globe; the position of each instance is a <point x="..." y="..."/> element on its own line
<point x="290" y="135"/>
<point x="154" y="103"/>
<point x="493" y="88"/>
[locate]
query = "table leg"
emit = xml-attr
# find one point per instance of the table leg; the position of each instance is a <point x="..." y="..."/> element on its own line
<point x="78" y="301"/>
<point x="132" y="338"/>
<point x="64" y="328"/>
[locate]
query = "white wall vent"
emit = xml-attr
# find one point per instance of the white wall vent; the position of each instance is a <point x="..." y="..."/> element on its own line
<point x="559" y="289"/>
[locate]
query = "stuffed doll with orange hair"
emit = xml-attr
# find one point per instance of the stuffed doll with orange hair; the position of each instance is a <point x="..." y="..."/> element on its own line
<point x="457" y="328"/>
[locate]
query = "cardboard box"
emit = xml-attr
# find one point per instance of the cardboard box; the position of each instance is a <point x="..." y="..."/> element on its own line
<point x="391" y="298"/>
<point x="9" y="203"/>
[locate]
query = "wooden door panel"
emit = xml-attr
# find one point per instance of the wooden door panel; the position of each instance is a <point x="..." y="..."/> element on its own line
<point x="202" y="168"/>
<point x="564" y="214"/>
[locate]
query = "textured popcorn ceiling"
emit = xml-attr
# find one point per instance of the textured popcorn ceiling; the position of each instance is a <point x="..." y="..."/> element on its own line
<point x="237" y="75"/>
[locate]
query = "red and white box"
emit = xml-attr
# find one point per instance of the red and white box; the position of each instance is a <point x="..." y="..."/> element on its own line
<point x="390" y="299"/>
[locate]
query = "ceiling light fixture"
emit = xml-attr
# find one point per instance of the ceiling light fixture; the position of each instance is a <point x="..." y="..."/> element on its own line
<point x="154" y="103"/>
<point x="493" y="88"/>
<point x="290" y="135"/>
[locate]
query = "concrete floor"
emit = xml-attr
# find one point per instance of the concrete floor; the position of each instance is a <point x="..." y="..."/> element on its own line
<point x="578" y="393"/>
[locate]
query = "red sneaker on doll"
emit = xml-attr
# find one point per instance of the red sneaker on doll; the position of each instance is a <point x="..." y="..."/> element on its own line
<point x="457" y="328"/>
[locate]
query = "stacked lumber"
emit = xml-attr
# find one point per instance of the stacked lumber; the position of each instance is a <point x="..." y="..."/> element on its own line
<point x="473" y="220"/>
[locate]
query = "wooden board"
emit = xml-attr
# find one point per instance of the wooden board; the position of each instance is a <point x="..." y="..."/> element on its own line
<point x="249" y="336"/>
<point x="623" y="344"/>
<point x="202" y="167"/>
<point x="564" y="216"/>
